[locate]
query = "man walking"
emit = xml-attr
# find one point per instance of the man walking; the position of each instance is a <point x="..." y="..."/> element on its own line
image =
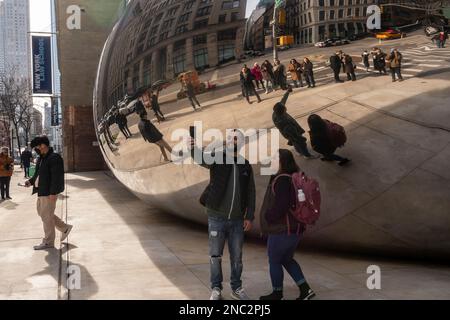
<point x="230" y="204"/>
<point x="48" y="182"/>
<point x="190" y="93"/>
<point x="336" y="65"/>
<point x="26" y="158"/>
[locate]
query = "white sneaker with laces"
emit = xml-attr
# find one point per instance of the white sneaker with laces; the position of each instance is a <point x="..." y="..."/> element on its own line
<point x="239" y="294"/>
<point x="66" y="233"/>
<point x="216" y="294"/>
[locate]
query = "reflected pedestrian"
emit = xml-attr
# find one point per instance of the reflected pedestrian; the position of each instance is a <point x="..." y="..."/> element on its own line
<point x="152" y="135"/>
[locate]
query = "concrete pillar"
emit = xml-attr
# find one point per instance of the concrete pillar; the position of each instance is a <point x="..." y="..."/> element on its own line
<point x="239" y="50"/>
<point x="189" y="47"/>
<point x="169" y="61"/>
<point x="154" y="66"/>
<point x="141" y="73"/>
<point x="213" y="53"/>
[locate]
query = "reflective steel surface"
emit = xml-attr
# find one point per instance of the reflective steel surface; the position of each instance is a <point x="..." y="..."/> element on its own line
<point x="153" y="49"/>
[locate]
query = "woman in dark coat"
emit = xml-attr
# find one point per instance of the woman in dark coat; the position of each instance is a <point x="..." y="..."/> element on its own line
<point x="284" y="232"/>
<point x="296" y="72"/>
<point x="349" y="67"/>
<point x="247" y="84"/>
<point x="279" y="72"/>
<point x="308" y="71"/>
<point x="289" y="128"/>
<point x="365" y="59"/>
<point x="267" y="73"/>
<point x="321" y="142"/>
<point x="152" y="135"/>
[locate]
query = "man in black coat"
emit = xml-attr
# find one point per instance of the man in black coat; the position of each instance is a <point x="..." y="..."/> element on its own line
<point x="26" y="158"/>
<point x="48" y="182"/>
<point x="229" y="200"/>
<point x="248" y="87"/>
<point x="336" y="65"/>
<point x="289" y="128"/>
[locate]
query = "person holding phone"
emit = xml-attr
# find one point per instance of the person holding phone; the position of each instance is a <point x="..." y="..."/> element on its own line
<point x="229" y="200"/>
<point x="6" y="172"/>
<point x="48" y="182"/>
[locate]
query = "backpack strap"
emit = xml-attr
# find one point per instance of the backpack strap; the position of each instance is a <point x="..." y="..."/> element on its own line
<point x="275" y="180"/>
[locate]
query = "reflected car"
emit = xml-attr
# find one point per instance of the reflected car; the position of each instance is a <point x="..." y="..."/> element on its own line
<point x="390" y="34"/>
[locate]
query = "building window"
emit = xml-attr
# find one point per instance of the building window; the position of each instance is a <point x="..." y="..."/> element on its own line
<point x="332" y="3"/>
<point x="227" y="5"/>
<point x="154" y="30"/>
<point x="222" y="18"/>
<point x="357" y="12"/>
<point x="204" y="11"/>
<point x="310" y="17"/>
<point x="179" y="62"/>
<point x="172" y="11"/>
<point x="200" y="39"/>
<point x="201" y="58"/>
<point x="349" y="12"/>
<point x="331" y="14"/>
<point x="321" y="15"/>
<point x="181" y="29"/>
<point x="358" y="2"/>
<point x="341" y="13"/>
<point x="341" y="3"/>
<point x="321" y="3"/>
<point x="167" y="24"/>
<point x="234" y="16"/>
<point x="151" y="41"/>
<point x="184" y="17"/>
<point x="163" y="36"/>
<point x="229" y="34"/>
<point x="201" y="24"/>
<point x="310" y="35"/>
<point x="188" y="5"/>
<point x="350" y="2"/>
<point x="226" y="53"/>
<point x="321" y="33"/>
<point x="147" y="79"/>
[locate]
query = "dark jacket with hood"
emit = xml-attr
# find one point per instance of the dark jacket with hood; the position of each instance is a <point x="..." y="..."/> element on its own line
<point x="289" y="128"/>
<point x="230" y="193"/>
<point x="275" y="216"/>
<point x="320" y="140"/>
<point x="50" y="170"/>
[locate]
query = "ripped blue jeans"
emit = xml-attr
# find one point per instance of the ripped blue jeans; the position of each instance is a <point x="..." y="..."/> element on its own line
<point x="222" y="230"/>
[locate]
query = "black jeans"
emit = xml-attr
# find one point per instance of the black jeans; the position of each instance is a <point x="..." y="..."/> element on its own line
<point x="249" y="91"/>
<point x="351" y="76"/>
<point x="302" y="148"/>
<point x="26" y="170"/>
<point x="262" y="84"/>
<point x="336" y="74"/>
<point x="396" y="71"/>
<point x="193" y="100"/>
<point x="4" y="186"/>
<point x="309" y="77"/>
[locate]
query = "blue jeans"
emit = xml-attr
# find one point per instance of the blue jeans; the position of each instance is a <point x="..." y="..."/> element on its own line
<point x="281" y="249"/>
<point x="221" y="230"/>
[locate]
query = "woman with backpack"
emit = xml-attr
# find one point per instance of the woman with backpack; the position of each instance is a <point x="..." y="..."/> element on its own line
<point x="326" y="141"/>
<point x="283" y="229"/>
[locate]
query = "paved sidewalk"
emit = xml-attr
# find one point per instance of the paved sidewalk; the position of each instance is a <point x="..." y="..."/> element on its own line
<point x="127" y="250"/>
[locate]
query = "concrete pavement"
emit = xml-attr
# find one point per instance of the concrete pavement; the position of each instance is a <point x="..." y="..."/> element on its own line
<point x="125" y="249"/>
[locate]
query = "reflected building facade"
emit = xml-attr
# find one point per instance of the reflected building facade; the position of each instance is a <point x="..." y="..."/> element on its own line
<point x="167" y="37"/>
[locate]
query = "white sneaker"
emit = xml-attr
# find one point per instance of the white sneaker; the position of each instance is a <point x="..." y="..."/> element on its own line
<point x="66" y="233"/>
<point x="43" y="246"/>
<point x="216" y="294"/>
<point x="239" y="294"/>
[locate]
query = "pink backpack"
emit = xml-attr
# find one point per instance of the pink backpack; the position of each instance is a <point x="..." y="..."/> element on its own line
<point x="307" y="212"/>
<point x="336" y="134"/>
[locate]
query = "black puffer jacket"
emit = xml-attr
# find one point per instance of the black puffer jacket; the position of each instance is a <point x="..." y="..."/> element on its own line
<point x="50" y="170"/>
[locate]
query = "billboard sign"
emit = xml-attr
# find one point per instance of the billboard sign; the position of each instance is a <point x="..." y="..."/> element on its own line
<point x="42" y="65"/>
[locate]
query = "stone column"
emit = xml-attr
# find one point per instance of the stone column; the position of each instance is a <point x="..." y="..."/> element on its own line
<point x="169" y="61"/>
<point x="154" y="66"/>
<point x="189" y="49"/>
<point x="213" y="53"/>
<point x="141" y="73"/>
